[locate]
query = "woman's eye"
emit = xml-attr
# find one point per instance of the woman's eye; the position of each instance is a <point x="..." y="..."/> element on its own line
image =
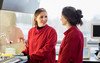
<point x="45" y="16"/>
<point x="41" y="17"/>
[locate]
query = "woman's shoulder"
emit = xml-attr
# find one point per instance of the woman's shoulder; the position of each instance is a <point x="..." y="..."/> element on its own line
<point x="32" y="29"/>
<point x="76" y="33"/>
<point x="51" y="28"/>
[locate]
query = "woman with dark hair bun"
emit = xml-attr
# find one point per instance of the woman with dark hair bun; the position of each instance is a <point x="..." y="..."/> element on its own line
<point x="71" y="49"/>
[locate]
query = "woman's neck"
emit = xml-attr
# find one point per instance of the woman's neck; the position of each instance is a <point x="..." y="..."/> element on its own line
<point x="68" y="26"/>
<point x="40" y="27"/>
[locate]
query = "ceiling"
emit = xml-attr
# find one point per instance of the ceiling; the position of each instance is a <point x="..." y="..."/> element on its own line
<point x="25" y="6"/>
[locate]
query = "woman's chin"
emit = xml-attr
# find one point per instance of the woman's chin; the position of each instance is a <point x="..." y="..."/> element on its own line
<point x="42" y="25"/>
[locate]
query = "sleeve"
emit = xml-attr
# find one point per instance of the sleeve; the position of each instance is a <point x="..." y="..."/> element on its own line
<point x="26" y="51"/>
<point x="48" y="47"/>
<point x="68" y="50"/>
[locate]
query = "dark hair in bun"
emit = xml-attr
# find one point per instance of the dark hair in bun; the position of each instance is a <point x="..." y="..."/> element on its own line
<point x="72" y="15"/>
<point x="79" y="13"/>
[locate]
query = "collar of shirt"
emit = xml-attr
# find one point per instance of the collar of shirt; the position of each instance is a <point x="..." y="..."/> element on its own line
<point x="70" y="29"/>
<point x="38" y="30"/>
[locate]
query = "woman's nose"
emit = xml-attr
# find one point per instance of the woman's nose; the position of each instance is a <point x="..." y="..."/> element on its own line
<point x="44" y="18"/>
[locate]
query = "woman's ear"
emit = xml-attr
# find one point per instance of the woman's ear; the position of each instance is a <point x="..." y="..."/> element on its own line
<point x="34" y="18"/>
<point x="35" y="21"/>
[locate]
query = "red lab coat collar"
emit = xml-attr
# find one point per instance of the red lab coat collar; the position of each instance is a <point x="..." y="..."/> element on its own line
<point x="38" y="30"/>
<point x="70" y="29"/>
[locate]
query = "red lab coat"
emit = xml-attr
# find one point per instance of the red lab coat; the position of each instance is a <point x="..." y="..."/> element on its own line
<point x="71" y="49"/>
<point x="41" y="45"/>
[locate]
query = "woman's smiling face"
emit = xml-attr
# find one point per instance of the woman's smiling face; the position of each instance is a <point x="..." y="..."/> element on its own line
<point x="42" y="19"/>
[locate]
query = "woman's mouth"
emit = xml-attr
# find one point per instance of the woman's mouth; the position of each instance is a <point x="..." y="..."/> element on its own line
<point x="43" y="22"/>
